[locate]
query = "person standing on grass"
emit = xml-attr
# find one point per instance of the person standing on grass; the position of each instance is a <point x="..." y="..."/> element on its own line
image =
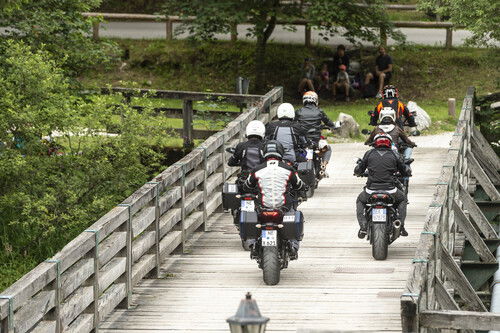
<point x="383" y="71"/>
<point x="308" y="73"/>
<point x="342" y="82"/>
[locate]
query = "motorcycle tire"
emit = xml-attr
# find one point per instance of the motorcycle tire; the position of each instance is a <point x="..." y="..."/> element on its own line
<point x="245" y="245"/>
<point x="380" y="241"/>
<point x="271" y="267"/>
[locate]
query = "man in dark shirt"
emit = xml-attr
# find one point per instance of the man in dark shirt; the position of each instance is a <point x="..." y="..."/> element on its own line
<point x="340" y="58"/>
<point x="383" y="70"/>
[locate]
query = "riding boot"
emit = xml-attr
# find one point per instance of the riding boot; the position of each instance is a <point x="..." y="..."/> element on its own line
<point x="360" y="213"/>
<point x="294" y="249"/>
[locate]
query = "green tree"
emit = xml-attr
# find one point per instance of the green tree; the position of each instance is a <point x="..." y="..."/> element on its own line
<point x="479" y="16"/>
<point x="57" y="26"/>
<point x="334" y="17"/>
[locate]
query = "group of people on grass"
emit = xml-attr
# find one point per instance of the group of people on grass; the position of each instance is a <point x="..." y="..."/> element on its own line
<point x="336" y="76"/>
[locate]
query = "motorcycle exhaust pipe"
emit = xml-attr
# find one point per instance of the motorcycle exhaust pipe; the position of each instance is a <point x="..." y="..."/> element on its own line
<point x="397" y="229"/>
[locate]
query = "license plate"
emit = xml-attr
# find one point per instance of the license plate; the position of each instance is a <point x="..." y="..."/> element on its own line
<point x="247" y="205"/>
<point x="269" y="237"/>
<point x="379" y="214"/>
<point x="309" y="154"/>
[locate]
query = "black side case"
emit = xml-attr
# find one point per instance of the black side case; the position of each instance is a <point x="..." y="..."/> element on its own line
<point x="293" y="225"/>
<point x="248" y="222"/>
<point x="306" y="172"/>
<point x="229" y="199"/>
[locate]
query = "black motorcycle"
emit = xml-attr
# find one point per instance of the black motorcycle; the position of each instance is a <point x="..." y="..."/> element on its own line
<point x="383" y="228"/>
<point x="271" y="234"/>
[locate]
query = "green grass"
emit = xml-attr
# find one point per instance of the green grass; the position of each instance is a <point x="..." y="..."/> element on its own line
<point x="424" y="74"/>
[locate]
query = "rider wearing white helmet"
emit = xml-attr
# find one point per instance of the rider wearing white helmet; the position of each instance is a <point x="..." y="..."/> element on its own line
<point x="388" y="125"/>
<point x="248" y="154"/>
<point x="289" y="133"/>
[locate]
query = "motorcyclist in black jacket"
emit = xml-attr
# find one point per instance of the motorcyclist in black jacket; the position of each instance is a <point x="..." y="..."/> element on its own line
<point x="382" y="163"/>
<point x="311" y="117"/>
<point x="248" y="154"/>
<point x="289" y="133"/>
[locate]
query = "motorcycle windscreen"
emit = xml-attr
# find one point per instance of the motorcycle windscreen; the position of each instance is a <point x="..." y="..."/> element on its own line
<point x="379" y="214"/>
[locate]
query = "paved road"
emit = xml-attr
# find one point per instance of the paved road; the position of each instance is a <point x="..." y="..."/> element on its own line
<point x="140" y="30"/>
<point x="335" y="284"/>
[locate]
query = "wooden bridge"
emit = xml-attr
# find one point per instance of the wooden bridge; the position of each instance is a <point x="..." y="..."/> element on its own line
<point x="168" y="259"/>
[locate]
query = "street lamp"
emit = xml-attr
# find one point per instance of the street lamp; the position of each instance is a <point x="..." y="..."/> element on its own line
<point x="248" y="318"/>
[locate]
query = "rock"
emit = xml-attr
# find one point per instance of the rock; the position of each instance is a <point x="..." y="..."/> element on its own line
<point x="422" y="118"/>
<point x="495" y="105"/>
<point x="349" y="127"/>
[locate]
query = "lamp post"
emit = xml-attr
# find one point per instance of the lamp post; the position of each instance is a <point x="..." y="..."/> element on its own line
<point x="248" y="318"/>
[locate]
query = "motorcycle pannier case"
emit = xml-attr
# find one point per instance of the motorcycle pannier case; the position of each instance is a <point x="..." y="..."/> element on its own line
<point x="293" y="225"/>
<point x="306" y="172"/>
<point x="229" y="199"/>
<point x="248" y="222"/>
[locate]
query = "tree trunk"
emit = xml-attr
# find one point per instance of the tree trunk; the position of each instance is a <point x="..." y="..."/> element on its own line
<point x="260" y="53"/>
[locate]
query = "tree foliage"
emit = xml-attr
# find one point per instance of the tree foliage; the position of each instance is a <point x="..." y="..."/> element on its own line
<point x="51" y="189"/>
<point x="334" y="17"/>
<point x="479" y="16"/>
<point x="57" y="26"/>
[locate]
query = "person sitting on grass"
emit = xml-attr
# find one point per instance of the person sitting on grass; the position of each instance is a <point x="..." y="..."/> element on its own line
<point x="342" y="82"/>
<point x="383" y="71"/>
<point x="308" y="73"/>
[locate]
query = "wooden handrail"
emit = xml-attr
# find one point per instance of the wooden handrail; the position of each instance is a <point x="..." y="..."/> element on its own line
<point x="96" y="272"/>
<point x="434" y="269"/>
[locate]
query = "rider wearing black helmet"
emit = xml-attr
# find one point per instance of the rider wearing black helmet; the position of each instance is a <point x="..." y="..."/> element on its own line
<point x="274" y="179"/>
<point x="391" y="99"/>
<point x="382" y="164"/>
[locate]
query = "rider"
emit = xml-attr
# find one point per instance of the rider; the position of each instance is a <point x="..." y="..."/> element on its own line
<point x="248" y="155"/>
<point x="388" y="125"/>
<point x="274" y="180"/>
<point x="310" y="117"/>
<point x="391" y="99"/>
<point x="382" y="164"/>
<point x="290" y="134"/>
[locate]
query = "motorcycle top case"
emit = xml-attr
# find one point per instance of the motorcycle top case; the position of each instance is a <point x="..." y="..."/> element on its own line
<point x="229" y="199"/>
<point x="293" y="225"/>
<point x="306" y="172"/>
<point x="248" y="222"/>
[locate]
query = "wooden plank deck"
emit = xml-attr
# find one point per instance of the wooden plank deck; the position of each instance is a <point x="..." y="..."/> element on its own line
<point x="335" y="284"/>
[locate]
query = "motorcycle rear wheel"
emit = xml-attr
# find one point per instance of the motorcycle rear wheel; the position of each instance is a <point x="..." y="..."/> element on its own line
<point x="380" y="241"/>
<point x="271" y="267"/>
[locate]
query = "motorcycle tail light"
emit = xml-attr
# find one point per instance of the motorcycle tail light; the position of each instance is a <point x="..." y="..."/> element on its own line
<point x="270" y="215"/>
<point x="247" y="198"/>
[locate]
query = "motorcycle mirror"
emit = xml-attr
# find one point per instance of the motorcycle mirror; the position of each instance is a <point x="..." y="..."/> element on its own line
<point x="365" y="131"/>
<point x="230" y="150"/>
<point x="417" y="133"/>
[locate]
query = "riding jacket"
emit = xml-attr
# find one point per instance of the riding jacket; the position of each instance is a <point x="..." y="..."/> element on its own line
<point x="310" y="118"/>
<point x="290" y="134"/>
<point x="397" y="134"/>
<point x="399" y="108"/>
<point x="274" y="179"/>
<point x="382" y="165"/>
<point x="247" y="155"/>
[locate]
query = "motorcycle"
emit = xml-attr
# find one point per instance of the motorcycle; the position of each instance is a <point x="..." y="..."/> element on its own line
<point x="383" y="228"/>
<point x="271" y="235"/>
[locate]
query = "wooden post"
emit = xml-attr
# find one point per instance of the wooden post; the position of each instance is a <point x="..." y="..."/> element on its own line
<point x="383" y="37"/>
<point x="96" y="278"/>
<point x="449" y="37"/>
<point x="95" y="30"/>
<point x="169" y="29"/>
<point x="156" y="249"/>
<point x="7" y="324"/>
<point x="308" y="36"/>
<point x="128" y="255"/>
<point x="204" y="167"/>
<point x="187" y="122"/>
<point x="57" y="288"/>
<point x="451" y="107"/>
<point x="234" y="32"/>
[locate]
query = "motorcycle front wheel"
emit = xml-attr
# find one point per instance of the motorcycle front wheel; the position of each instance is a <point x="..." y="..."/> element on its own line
<point x="380" y="241"/>
<point x="271" y="265"/>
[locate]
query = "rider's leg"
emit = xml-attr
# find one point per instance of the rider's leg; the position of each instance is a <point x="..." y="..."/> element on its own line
<point x="401" y="202"/>
<point x="360" y="213"/>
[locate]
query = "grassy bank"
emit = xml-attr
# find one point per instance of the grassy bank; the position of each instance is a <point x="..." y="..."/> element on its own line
<point x="426" y="75"/>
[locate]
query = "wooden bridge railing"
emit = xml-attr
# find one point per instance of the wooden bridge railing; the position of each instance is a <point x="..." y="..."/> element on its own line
<point x="97" y="271"/>
<point x="435" y="278"/>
